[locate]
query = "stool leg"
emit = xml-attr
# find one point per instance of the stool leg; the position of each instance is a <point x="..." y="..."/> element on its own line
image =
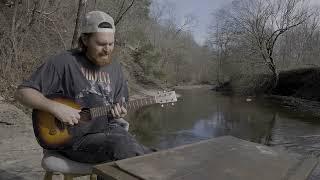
<point x="93" y="177"/>
<point x="67" y="177"/>
<point x="48" y="175"/>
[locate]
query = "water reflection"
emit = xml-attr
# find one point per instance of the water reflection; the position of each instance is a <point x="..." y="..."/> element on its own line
<point x="203" y="114"/>
<point x="199" y="115"/>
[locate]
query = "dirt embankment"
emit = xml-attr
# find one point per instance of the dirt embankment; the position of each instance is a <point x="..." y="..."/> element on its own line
<point x="300" y="83"/>
<point x="297" y="90"/>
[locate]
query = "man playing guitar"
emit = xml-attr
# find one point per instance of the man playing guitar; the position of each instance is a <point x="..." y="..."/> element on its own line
<point x="91" y="78"/>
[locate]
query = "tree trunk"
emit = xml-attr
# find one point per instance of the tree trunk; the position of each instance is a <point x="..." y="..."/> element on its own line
<point x="80" y="13"/>
<point x="275" y="74"/>
<point x="13" y="38"/>
<point x="275" y="80"/>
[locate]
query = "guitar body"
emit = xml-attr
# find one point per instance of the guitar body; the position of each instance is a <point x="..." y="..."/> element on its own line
<point x="49" y="131"/>
<point x="52" y="134"/>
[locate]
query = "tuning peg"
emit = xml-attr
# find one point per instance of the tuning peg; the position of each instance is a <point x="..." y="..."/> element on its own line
<point x="164" y="91"/>
<point x="172" y="104"/>
<point x="162" y="105"/>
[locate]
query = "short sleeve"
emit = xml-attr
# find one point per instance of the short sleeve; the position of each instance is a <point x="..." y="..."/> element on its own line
<point x="45" y="79"/>
<point x="122" y="89"/>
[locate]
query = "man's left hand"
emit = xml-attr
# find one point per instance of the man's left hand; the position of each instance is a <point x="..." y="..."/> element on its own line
<point x="118" y="111"/>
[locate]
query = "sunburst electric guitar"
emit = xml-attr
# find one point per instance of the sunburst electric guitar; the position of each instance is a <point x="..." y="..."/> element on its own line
<point x="51" y="133"/>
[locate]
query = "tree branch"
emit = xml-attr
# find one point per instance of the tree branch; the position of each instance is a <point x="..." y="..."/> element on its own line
<point x="122" y="14"/>
<point x="56" y="30"/>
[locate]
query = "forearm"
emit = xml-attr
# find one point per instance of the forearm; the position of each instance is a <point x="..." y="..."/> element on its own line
<point x="34" y="99"/>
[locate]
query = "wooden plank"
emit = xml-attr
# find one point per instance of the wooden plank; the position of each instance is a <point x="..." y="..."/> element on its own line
<point x="111" y="172"/>
<point x="224" y="158"/>
<point x="304" y="170"/>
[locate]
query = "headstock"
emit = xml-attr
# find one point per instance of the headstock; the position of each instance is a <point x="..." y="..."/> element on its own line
<point x="166" y="97"/>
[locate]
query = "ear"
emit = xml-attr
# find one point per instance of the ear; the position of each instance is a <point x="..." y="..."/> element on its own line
<point x="85" y="39"/>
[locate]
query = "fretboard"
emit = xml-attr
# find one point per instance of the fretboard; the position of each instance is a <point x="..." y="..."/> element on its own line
<point x="131" y="105"/>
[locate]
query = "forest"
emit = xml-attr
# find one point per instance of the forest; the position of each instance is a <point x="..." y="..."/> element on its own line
<point x="249" y="42"/>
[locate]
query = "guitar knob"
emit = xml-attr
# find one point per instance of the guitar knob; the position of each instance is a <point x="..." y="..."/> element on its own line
<point x="162" y="105"/>
<point x="52" y="131"/>
<point x="172" y="104"/>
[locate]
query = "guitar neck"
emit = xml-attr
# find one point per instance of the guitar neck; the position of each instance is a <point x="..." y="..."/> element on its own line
<point x="131" y="105"/>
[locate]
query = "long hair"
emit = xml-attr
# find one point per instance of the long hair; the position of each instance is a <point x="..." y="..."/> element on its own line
<point x="81" y="46"/>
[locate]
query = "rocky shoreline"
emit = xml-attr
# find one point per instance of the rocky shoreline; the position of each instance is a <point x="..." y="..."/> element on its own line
<point x="309" y="107"/>
<point x="20" y="154"/>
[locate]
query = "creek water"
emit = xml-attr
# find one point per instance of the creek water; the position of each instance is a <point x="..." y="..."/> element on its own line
<point x="201" y="114"/>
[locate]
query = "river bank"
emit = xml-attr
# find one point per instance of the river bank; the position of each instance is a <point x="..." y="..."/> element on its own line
<point x="297" y="90"/>
<point x="139" y="92"/>
<point x="309" y="107"/>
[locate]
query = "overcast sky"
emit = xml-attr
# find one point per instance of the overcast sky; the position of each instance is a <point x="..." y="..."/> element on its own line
<point x="202" y="9"/>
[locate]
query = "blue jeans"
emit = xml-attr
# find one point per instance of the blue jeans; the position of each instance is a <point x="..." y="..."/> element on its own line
<point x="114" y="144"/>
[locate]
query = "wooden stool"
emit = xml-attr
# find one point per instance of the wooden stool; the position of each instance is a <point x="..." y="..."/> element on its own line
<point x="49" y="175"/>
<point x="53" y="162"/>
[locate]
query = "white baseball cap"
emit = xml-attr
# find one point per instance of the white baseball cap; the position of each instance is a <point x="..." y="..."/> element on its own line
<point x="94" y="22"/>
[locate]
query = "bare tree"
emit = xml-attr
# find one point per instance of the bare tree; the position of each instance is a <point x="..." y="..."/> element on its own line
<point x="80" y="14"/>
<point x="300" y="45"/>
<point x="189" y="22"/>
<point x="220" y="38"/>
<point x="264" y="21"/>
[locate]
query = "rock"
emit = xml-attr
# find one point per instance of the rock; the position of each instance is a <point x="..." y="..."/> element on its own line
<point x="20" y="154"/>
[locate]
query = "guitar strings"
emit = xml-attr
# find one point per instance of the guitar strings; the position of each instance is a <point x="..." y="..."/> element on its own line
<point x="87" y="111"/>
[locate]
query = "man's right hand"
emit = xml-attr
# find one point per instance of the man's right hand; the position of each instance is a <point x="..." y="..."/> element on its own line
<point x="34" y="99"/>
<point x="65" y="114"/>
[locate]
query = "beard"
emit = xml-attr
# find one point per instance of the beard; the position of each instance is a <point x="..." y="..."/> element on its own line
<point x="101" y="59"/>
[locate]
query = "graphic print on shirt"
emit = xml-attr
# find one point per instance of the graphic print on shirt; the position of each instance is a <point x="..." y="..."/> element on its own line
<point x="100" y="85"/>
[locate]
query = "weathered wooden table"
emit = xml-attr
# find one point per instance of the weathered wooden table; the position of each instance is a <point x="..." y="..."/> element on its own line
<point x="222" y="158"/>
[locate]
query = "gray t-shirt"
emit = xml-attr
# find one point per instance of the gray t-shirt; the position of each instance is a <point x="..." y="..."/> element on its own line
<point x="71" y="74"/>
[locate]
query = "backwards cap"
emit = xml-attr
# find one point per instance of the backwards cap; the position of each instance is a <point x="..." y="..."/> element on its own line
<point x="93" y="22"/>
